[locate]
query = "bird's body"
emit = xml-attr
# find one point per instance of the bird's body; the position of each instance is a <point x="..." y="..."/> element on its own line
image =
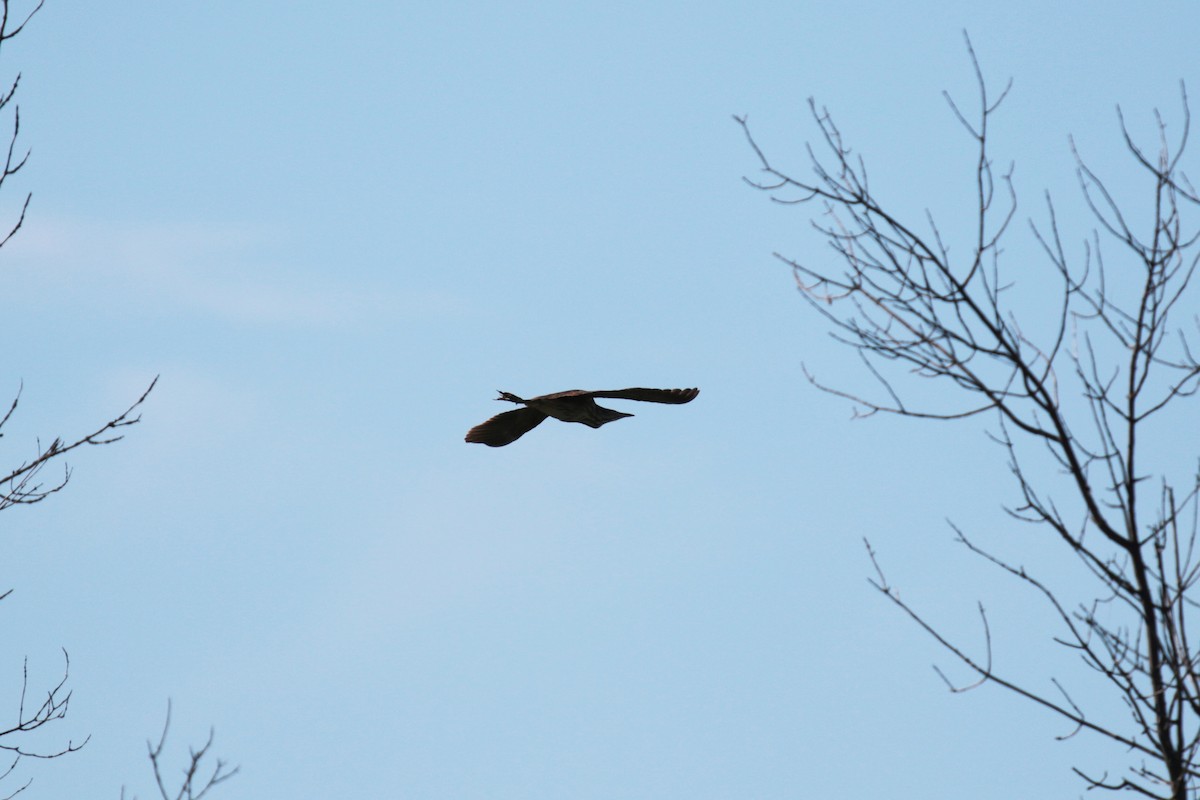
<point x="576" y="405"/>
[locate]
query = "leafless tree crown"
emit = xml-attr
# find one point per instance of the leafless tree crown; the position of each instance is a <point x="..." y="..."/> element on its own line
<point x="1085" y="395"/>
<point x="23" y="484"/>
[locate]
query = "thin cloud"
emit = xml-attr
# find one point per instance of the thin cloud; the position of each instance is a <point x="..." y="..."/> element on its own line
<point x="236" y="273"/>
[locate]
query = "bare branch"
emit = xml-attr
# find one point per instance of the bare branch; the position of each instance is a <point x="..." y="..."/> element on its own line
<point x="197" y="779"/>
<point x="1070" y="398"/>
<point x="19" y="486"/>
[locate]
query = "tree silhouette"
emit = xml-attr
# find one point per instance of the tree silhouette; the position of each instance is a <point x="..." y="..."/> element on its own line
<point x="26" y="484"/>
<point x="1080" y="398"/>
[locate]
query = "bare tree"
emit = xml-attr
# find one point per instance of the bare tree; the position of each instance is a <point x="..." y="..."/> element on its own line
<point x="23" y="484"/>
<point x="1082" y="395"/>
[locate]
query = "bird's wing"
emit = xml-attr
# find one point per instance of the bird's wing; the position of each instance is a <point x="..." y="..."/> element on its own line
<point x="563" y="395"/>
<point x="505" y="428"/>
<point x="651" y="395"/>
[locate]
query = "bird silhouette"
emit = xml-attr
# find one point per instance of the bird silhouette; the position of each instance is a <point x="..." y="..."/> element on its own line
<point x="575" y="405"/>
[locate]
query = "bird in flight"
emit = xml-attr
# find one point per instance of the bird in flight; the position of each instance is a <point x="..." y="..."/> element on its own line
<point x="575" y="405"/>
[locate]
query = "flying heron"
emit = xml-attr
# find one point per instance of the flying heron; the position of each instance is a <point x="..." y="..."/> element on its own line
<point x="575" y="405"/>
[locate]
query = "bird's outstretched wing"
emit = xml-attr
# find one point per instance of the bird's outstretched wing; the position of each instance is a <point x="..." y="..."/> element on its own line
<point x="506" y="428"/>
<point x="651" y="395"/>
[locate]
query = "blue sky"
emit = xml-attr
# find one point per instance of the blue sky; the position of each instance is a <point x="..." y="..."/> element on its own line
<point x="336" y="231"/>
